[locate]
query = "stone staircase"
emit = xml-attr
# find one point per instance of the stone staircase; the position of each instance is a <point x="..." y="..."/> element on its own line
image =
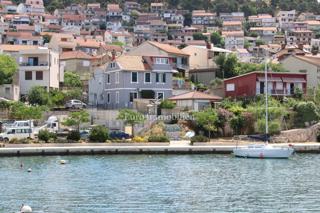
<point x="173" y="131"/>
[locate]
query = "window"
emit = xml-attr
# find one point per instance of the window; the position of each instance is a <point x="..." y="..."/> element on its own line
<point x="117" y="77"/>
<point x="147" y="77"/>
<point x="108" y="78"/>
<point x="28" y="75"/>
<point x="279" y="86"/>
<point x="7" y="90"/>
<point x="39" y="75"/>
<point x="133" y="95"/>
<point x="160" y="95"/>
<point x="117" y="97"/>
<point x="112" y="65"/>
<point x="108" y="97"/>
<point x="230" y="87"/>
<point x="162" y="61"/>
<point x="134" y="77"/>
<point x="161" y="78"/>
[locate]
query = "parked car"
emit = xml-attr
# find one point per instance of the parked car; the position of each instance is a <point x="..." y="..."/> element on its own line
<point x="84" y="134"/>
<point x="75" y="104"/>
<point x="119" y="135"/>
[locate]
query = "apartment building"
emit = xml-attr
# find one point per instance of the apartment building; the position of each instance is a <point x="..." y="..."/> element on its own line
<point x="38" y="67"/>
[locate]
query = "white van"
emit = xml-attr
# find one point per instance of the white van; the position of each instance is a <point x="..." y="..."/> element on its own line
<point x="16" y="132"/>
<point x="24" y="124"/>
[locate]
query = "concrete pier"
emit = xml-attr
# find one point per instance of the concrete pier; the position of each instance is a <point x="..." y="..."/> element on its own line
<point x="86" y="149"/>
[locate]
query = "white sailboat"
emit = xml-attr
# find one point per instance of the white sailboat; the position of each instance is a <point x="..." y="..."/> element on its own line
<point x="264" y="150"/>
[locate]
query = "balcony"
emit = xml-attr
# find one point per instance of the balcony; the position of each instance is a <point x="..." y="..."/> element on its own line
<point x="34" y="66"/>
<point x="274" y="92"/>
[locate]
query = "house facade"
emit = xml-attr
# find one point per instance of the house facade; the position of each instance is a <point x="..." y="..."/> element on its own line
<point x="304" y="64"/>
<point x="131" y="77"/>
<point x="38" y="67"/>
<point x="252" y="84"/>
<point x="179" y="60"/>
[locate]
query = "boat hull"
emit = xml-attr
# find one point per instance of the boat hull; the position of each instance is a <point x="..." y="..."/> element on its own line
<point x="263" y="152"/>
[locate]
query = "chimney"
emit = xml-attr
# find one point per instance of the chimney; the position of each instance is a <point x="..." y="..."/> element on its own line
<point x="208" y="45"/>
<point x="113" y="53"/>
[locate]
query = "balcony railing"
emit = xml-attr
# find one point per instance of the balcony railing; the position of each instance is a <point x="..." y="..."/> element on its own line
<point x="27" y="64"/>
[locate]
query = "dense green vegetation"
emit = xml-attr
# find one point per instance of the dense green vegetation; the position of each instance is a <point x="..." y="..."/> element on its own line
<point x="230" y="66"/>
<point x="8" y="68"/>
<point x="21" y="111"/>
<point x="247" y="116"/>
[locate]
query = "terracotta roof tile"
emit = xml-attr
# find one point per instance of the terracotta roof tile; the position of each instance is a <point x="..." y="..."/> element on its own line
<point x="167" y="48"/>
<point x="16" y="48"/>
<point x="196" y="95"/>
<point x="134" y="63"/>
<point x="231" y="23"/>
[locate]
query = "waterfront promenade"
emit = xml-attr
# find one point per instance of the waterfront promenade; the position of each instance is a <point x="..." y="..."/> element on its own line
<point x="134" y="148"/>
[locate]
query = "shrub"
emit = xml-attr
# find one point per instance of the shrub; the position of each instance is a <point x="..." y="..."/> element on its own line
<point x="199" y="138"/>
<point x="45" y="135"/>
<point x="155" y="138"/>
<point x="74" y="135"/>
<point x="14" y="141"/>
<point x="99" y="134"/>
<point x="237" y="124"/>
<point x="274" y="126"/>
<point x="139" y="139"/>
<point x="306" y="112"/>
<point x="166" y="104"/>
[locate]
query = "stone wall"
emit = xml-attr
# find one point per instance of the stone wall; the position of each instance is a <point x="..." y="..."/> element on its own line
<point x="298" y="135"/>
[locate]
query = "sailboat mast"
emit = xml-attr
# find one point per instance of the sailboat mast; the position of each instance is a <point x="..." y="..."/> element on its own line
<point x="266" y="97"/>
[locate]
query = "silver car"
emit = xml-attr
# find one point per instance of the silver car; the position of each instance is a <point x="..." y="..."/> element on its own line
<point x="75" y="104"/>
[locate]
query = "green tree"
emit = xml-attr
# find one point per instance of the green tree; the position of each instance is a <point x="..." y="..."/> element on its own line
<point x="76" y="119"/>
<point x="74" y="93"/>
<point x="72" y="79"/>
<point x="57" y="97"/>
<point x="227" y="65"/>
<point x="199" y="36"/>
<point x="306" y="112"/>
<point x="167" y="104"/>
<point x="130" y="117"/>
<point x="216" y="39"/>
<point x="38" y="96"/>
<point x="259" y="42"/>
<point x="20" y="111"/>
<point x="8" y="68"/>
<point x="207" y="119"/>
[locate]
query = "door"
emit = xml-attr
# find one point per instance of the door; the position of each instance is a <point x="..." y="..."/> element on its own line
<point x="261" y="87"/>
<point x="33" y="61"/>
<point x="291" y="88"/>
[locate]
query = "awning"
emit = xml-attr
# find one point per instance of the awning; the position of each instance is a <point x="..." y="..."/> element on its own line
<point x="294" y="80"/>
<point x="270" y="79"/>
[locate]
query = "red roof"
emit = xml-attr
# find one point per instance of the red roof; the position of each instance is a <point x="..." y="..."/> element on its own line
<point x="196" y="95"/>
